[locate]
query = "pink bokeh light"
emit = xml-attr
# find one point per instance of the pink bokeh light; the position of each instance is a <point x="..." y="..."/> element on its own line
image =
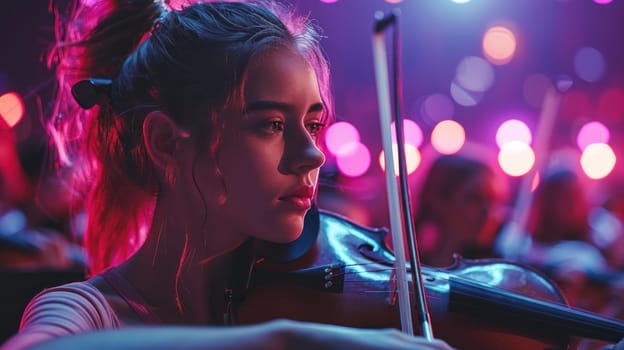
<point x="448" y="137"/>
<point x="11" y="108"/>
<point x="340" y="134"/>
<point x="412" y="158"/>
<point x="598" y="160"/>
<point x="353" y="159"/>
<point x="592" y="132"/>
<point x="413" y="134"/>
<point x="513" y="130"/>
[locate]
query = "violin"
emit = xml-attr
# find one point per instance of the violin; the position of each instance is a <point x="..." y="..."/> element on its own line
<point x="339" y="272"/>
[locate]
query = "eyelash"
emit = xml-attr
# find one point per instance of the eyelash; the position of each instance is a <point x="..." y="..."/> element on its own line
<point x="314" y="128"/>
<point x="274" y="126"/>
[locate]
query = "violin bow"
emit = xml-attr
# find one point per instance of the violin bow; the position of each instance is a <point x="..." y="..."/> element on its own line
<point x="512" y="235"/>
<point x="398" y="206"/>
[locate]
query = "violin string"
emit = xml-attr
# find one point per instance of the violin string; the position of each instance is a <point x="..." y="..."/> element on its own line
<point x="360" y="264"/>
<point x="356" y="281"/>
<point x="357" y="272"/>
<point x="389" y="267"/>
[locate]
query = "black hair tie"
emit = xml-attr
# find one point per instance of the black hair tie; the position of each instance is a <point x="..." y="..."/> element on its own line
<point x="90" y="92"/>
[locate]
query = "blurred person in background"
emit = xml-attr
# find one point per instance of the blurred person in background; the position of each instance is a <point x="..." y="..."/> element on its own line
<point x="572" y="239"/>
<point x="458" y="209"/>
<point x="32" y="212"/>
<point x="559" y="229"/>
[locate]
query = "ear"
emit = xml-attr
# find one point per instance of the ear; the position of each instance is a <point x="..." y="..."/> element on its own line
<point x="161" y="135"/>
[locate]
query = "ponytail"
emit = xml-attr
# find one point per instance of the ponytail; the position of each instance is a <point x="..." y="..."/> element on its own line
<point x="94" y="41"/>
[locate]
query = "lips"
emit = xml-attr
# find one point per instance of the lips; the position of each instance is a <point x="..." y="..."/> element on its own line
<point x="300" y="198"/>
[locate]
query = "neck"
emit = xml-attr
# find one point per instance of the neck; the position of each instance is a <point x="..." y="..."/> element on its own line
<point x="184" y="277"/>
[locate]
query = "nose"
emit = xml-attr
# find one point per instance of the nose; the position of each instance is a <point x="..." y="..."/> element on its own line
<point x="301" y="153"/>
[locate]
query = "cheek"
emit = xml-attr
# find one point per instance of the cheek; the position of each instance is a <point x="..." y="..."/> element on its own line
<point x="465" y="214"/>
<point x="199" y="182"/>
<point x="250" y="172"/>
<point x="478" y="214"/>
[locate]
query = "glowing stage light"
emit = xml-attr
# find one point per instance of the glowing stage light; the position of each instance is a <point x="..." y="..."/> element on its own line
<point x="11" y="108"/>
<point x="437" y="107"/>
<point x="448" y="137"/>
<point x="339" y="134"/>
<point x="353" y="159"/>
<point x="592" y="132"/>
<point x="413" y="135"/>
<point x="412" y="158"/>
<point x="598" y="160"/>
<point x="474" y="74"/>
<point x="465" y="97"/>
<point x="589" y="64"/>
<point x="535" y="182"/>
<point x="516" y="158"/>
<point x="513" y="130"/>
<point x="499" y="45"/>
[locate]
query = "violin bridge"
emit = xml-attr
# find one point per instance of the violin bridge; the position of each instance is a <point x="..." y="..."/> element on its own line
<point x="329" y="278"/>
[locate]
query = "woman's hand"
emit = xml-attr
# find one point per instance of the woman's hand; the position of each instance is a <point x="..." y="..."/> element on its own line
<point x="302" y="335"/>
<point x="272" y="335"/>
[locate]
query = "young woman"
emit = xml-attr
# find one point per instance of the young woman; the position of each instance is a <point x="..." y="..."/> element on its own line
<point x="196" y="131"/>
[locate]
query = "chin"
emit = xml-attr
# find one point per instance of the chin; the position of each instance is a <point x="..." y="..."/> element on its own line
<point x="286" y="237"/>
<point x="285" y="233"/>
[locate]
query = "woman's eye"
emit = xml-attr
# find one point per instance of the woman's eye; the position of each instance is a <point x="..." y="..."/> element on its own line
<point x="273" y="126"/>
<point x="315" y="128"/>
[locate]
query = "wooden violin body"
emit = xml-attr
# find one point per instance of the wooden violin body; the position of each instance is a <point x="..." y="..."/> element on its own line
<point x="344" y="276"/>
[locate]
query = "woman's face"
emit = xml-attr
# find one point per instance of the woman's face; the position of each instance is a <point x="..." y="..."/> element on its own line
<point x="469" y="207"/>
<point x="268" y="155"/>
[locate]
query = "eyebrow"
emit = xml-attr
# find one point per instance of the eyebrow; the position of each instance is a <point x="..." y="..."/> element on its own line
<point x="264" y="105"/>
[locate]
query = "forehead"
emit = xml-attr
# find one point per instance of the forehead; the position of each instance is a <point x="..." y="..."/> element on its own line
<point x="281" y="74"/>
<point x="480" y="182"/>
